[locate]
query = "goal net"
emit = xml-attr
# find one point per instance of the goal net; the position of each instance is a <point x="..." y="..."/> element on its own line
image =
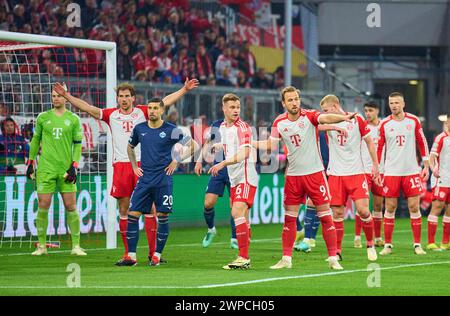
<point x="29" y="66"/>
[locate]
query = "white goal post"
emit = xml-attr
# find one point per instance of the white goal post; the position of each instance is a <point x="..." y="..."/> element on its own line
<point x="27" y="41"/>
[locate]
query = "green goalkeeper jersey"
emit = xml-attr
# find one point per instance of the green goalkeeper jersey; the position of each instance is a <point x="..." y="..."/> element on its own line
<point x="60" y="137"/>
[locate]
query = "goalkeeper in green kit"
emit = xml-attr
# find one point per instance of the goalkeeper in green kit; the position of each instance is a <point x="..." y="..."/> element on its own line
<point x="59" y="132"/>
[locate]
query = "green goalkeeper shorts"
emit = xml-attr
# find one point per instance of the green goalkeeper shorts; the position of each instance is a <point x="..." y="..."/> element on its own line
<point x="51" y="183"/>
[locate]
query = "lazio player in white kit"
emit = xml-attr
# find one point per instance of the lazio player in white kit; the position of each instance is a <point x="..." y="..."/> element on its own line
<point x="59" y="133"/>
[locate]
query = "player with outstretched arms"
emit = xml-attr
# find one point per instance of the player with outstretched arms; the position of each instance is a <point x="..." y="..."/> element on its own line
<point x="440" y="164"/>
<point x="298" y="128"/>
<point x="346" y="176"/>
<point x="240" y="160"/>
<point x="122" y="119"/>
<point x="58" y="131"/>
<point x="155" y="185"/>
<point x="400" y="135"/>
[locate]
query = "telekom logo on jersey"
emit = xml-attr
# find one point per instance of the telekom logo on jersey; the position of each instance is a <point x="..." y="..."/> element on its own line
<point x="127" y="126"/>
<point x="400" y="140"/>
<point x="57" y="132"/>
<point x="295" y="139"/>
<point x="342" y="139"/>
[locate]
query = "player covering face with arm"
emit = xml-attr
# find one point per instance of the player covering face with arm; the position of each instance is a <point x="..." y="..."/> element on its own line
<point x="58" y="133"/>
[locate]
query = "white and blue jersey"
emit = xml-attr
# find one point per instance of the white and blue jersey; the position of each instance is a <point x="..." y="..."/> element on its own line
<point x="155" y="186"/>
<point x="216" y="185"/>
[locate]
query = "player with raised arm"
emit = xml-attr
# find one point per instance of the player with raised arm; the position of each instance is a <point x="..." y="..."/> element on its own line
<point x="58" y="131"/>
<point x="155" y="184"/>
<point x="371" y="111"/>
<point x="216" y="186"/>
<point x="400" y="134"/>
<point x="298" y="128"/>
<point x="240" y="160"/>
<point x="440" y="164"/>
<point x="122" y="119"/>
<point x="346" y="175"/>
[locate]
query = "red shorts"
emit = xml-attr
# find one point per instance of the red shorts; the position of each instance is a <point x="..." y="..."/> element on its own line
<point x="373" y="187"/>
<point x="124" y="180"/>
<point x="410" y="185"/>
<point x="342" y="187"/>
<point x="314" y="185"/>
<point x="243" y="193"/>
<point x="441" y="194"/>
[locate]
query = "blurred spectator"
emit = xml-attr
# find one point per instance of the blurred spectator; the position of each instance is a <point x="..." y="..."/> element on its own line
<point x="225" y="72"/>
<point x="19" y="16"/>
<point x="242" y="81"/>
<point x="278" y="78"/>
<point x="211" y="82"/>
<point x="173" y="73"/>
<point x="261" y="81"/>
<point x="249" y="59"/>
<point x="146" y="6"/>
<point x="172" y="115"/>
<point x="189" y="70"/>
<point x="163" y="61"/>
<point x="89" y="14"/>
<point x="125" y="68"/>
<point x="143" y="58"/>
<point x="141" y="75"/>
<point x="13" y="148"/>
<point x="204" y="65"/>
<point x="217" y="28"/>
<point x="198" y="21"/>
<point x="217" y="49"/>
<point x="182" y="56"/>
<point x="3" y="109"/>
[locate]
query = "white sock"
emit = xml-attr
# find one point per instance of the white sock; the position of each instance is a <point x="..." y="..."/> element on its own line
<point x="212" y="230"/>
<point x="132" y="255"/>
<point x="157" y="254"/>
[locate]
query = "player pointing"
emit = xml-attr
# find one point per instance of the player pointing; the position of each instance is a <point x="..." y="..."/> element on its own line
<point x="59" y="133"/>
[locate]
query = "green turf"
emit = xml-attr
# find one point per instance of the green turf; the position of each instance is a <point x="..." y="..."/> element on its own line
<point x="192" y="266"/>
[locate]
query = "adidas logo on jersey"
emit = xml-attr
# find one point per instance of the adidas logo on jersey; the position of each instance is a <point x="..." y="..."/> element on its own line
<point x="286" y="129"/>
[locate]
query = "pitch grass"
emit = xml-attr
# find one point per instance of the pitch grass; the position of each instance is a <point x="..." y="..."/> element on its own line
<point x="192" y="266"/>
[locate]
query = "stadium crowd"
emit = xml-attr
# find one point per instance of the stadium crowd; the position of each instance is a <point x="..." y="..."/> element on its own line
<point x="158" y="41"/>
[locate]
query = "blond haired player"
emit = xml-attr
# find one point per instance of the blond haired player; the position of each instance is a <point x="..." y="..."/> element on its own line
<point x="240" y="160"/>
